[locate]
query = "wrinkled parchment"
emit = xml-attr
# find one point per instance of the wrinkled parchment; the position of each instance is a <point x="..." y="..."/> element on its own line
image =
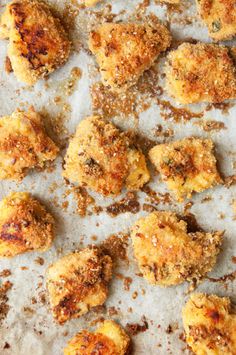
<point x="29" y="326"/>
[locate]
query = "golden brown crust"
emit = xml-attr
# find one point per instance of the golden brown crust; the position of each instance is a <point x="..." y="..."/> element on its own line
<point x="167" y="254"/>
<point x="23" y="144"/>
<point x="187" y="166"/>
<point x="201" y="73"/>
<point x="77" y="282"/>
<point x="102" y="158"/>
<point x="38" y="43"/>
<point x="108" y="339"/>
<point x="210" y="325"/>
<point x="25" y="225"/>
<point x="125" y="50"/>
<point x="219" y="16"/>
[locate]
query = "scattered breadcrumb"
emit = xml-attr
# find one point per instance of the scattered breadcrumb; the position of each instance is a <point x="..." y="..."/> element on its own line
<point x="136" y="328"/>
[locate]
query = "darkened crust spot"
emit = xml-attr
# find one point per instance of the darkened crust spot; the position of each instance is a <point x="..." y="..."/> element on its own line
<point x="38" y="42"/>
<point x="81" y="283"/>
<point x="25" y="225"/>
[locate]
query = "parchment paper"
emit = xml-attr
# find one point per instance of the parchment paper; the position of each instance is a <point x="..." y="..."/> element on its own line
<point x="29" y="327"/>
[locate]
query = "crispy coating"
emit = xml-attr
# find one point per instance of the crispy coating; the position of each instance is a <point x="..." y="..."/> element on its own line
<point x="187" y="166"/>
<point x="77" y="282"/>
<point x="23" y="144"/>
<point x="210" y="325"/>
<point x="25" y="225"/>
<point x="201" y="73"/>
<point x="38" y="43"/>
<point x="219" y="17"/>
<point x="104" y="159"/>
<point x="125" y="50"/>
<point x="167" y="254"/>
<point x="108" y="339"/>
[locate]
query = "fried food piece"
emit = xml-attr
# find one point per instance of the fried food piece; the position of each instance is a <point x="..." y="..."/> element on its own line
<point x="125" y="50"/>
<point x="23" y="144"/>
<point x="104" y="159"/>
<point x="38" y="43"/>
<point x="108" y="339"/>
<point x="187" y="165"/>
<point x="210" y="325"/>
<point x="77" y="282"/>
<point x="219" y="17"/>
<point x="167" y="254"/>
<point x="25" y="225"/>
<point x="201" y="73"/>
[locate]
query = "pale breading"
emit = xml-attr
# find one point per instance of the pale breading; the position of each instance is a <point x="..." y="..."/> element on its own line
<point x="23" y="144"/>
<point x="201" y="73"/>
<point x="103" y="158"/>
<point x="77" y="282"/>
<point x="219" y="17"/>
<point x="108" y="339"/>
<point x="38" y="43"/>
<point x="125" y="50"/>
<point x="187" y="165"/>
<point x="167" y="254"/>
<point x="25" y="225"/>
<point x="210" y="325"/>
<point x="90" y="3"/>
<point x="174" y="2"/>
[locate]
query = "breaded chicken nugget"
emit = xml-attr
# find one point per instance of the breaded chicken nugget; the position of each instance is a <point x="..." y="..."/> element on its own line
<point x="125" y="50"/>
<point x="103" y="158"/>
<point x="210" y="325"/>
<point x="167" y="254"/>
<point x="77" y="282"/>
<point x="108" y="339"/>
<point x="201" y="73"/>
<point x="219" y="16"/>
<point x="187" y="166"/>
<point x="25" y="225"/>
<point x="38" y="43"/>
<point x="23" y="144"/>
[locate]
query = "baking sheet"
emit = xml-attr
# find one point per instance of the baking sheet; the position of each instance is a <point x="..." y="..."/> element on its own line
<point x="29" y="326"/>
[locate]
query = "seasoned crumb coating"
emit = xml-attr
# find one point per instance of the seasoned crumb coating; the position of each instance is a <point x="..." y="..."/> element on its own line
<point x="187" y="166"/>
<point x="77" y="282"/>
<point x="125" y="50"/>
<point x="25" y="225"/>
<point x="167" y="254"/>
<point x="201" y="73"/>
<point x="23" y="144"/>
<point x="108" y="339"/>
<point x="38" y="43"/>
<point x="104" y="159"/>
<point x="210" y="325"/>
<point x="219" y="17"/>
